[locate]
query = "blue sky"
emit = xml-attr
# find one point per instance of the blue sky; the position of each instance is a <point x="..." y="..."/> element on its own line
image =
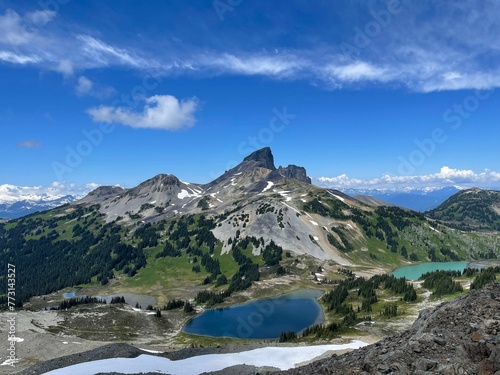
<point x="362" y="93"/>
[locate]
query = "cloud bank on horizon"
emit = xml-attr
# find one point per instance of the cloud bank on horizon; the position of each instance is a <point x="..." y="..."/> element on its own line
<point x="461" y="179"/>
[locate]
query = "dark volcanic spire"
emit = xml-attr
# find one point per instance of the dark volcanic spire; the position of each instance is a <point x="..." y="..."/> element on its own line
<point x="262" y="158"/>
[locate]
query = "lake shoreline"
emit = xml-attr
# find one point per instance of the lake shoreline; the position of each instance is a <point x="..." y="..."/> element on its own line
<point x="255" y="315"/>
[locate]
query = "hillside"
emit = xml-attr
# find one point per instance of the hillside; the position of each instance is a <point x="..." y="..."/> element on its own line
<point x="472" y="209"/>
<point x="454" y="338"/>
<point x="255" y="221"/>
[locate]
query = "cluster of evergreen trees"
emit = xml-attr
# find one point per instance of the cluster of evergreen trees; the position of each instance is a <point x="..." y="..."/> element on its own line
<point x="71" y="302"/>
<point x="485" y="276"/>
<point x="287" y="336"/>
<point x="366" y="290"/>
<point x="441" y="282"/>
<point x="117" y="299"/>
<point x="322" y="331"/>
<point x="210" y="298"/>
<point x="272" y="254"/>
<point x="50" y="261"/>
<point x="327" y="207"/>
<point x="174" y="304"/>
<point x="177" y="304"/>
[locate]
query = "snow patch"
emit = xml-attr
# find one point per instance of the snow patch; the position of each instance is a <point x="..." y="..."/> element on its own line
<point x="269" y="186"/>
<point x="185" y="194"/>
<point x="284" y="194"/>
<point x="434" y="229"/>
<point x="292" y="208"/>
<point x="150" y="351"/>
<point x="336" y="196"/>
<point x="283" y="358"/>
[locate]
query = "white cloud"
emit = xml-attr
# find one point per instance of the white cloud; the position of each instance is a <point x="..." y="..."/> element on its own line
<point x="14" y="58"/>
<point x="84" y="86"/>
<point x="102" y="53"/>
<point x="259" y="64"/>
<point x="41" y="17"/>
<point x="65" y="67"/>
<point x="160" y="112"/>
<point x="30" y="143"/>
<point x="427" y="53"/>
<point x="357" y="71"/>
<point x="445" y="177"/>
<point x="12" y="31"/>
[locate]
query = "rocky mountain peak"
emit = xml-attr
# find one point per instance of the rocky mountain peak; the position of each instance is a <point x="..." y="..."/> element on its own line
<point x="103" y="191"/>
<point x="296" y="172"/>
<point x="262" y="158"/>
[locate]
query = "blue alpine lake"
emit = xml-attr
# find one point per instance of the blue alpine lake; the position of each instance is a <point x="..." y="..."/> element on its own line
<point x="414" y="272"/>
<point x="261" y="319"/>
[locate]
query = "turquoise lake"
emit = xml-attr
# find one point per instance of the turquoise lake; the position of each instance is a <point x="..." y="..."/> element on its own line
<point x="261" y="319"/>
<point x="414" y="272"/>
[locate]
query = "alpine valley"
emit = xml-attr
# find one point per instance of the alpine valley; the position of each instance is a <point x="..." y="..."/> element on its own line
<point x="256" y="231"/>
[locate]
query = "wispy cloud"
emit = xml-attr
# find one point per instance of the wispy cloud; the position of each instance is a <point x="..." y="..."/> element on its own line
<point x="426" y="47"/>
<point x="86" y="87"/>
<point x="15" y="58"/>
<point x="445" y="177"/>
<point x="105" y="54"/>
<point x="30" y="143"/>
<point x="160" y="112"/>
<point x="65" y="67"/>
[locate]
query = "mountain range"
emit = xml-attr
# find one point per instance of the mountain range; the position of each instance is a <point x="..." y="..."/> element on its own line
<point x="16" y="201"/>
<point x="254" y="213"/>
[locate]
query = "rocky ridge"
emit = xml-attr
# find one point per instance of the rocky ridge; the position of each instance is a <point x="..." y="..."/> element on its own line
<point x="461" y="336"/>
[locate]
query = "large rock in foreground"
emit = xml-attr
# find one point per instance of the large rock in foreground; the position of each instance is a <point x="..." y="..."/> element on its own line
<point x="457" y="337"/>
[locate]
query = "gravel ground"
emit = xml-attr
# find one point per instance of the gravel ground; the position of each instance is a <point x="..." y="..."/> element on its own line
<point x="38" y="345"/>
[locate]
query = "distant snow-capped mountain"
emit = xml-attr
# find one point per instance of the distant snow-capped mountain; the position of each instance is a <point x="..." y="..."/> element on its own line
<point x="17" y="201"/>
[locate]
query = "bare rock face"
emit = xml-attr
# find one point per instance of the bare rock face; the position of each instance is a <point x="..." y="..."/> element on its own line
<point x="103" y="191"/>
<point x="457" y="337"/>
<point x="293" y="171"/>
<point x="262" y="158"/>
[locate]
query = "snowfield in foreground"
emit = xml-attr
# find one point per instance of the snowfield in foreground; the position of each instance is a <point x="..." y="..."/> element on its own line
<point x="282" y="358"/>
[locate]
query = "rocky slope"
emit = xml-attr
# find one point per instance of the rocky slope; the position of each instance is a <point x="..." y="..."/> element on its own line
<point x="457" y="337"/>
